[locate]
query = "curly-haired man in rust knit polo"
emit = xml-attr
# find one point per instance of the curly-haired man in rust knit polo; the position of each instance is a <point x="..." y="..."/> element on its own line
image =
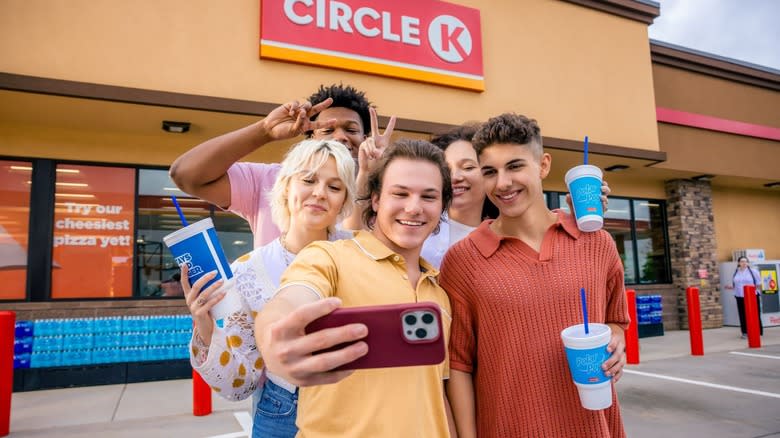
<point x="514" y="285"/>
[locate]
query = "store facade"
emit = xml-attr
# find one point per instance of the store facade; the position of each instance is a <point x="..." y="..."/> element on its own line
<point x="85" y="89"/>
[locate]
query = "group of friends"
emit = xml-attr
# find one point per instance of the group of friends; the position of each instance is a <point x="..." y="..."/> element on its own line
<point x="351" y="218"/>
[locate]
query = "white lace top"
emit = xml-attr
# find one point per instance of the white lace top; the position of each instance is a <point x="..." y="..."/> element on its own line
<point x="232" y="365"/>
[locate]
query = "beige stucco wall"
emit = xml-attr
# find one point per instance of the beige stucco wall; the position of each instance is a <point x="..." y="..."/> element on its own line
<point x="577" y="70"/>
<point x="125" y="133"/>
<point x="718" y="153"/>
<point x="746" y="219"/>
<point x="703" y="94"/>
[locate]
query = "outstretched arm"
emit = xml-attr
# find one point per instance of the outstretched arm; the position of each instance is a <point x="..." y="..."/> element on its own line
<point x="288" y="350"/>
<point x="202" y="171"/>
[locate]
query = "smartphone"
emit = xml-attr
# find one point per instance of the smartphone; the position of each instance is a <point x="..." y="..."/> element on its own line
<point x="399" y="335"/>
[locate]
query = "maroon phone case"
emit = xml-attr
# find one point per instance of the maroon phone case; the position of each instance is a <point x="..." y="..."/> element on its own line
<point x="387" y="346"/>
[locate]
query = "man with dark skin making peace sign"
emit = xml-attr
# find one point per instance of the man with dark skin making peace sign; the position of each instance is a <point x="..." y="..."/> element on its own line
<point x="211" y="170"/>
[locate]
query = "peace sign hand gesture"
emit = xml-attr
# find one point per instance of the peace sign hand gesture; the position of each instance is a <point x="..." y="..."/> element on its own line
<point x="373" y="147"/>
<point x="293" y="119"/>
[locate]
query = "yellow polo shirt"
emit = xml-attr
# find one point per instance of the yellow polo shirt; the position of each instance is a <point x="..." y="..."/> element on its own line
<point x="386" y="402"/>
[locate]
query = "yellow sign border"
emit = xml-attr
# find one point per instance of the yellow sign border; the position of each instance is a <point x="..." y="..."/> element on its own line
<point x="361" y="66"/>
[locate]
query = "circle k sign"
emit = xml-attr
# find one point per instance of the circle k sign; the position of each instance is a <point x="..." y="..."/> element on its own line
<point x="449" y="38"/>
<point x="423" y="40"/>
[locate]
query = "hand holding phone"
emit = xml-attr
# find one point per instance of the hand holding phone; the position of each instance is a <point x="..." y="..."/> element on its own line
<point x="398" y="334"/>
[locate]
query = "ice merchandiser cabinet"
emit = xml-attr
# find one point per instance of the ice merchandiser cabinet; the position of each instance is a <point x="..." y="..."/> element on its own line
<point x="768" y="270"/>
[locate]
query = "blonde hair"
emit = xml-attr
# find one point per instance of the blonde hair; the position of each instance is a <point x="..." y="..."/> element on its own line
<point x="309" y="156"/>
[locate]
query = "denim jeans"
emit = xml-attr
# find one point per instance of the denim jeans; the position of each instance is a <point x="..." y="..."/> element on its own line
<point x="276" y="413"/>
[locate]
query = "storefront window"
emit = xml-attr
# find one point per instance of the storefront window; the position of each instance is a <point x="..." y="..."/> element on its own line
<point x="94" y="215"/>
<point x="617" y="221"/>
<point x="234" y="234"/>
<point x="156" y="273"/>
<point x="14" y="226"/>
<point x="638" y="227"/>
<point x="650" y="241"/>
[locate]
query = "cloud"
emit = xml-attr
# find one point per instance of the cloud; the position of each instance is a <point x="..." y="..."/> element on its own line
<point x="746" y="30"/>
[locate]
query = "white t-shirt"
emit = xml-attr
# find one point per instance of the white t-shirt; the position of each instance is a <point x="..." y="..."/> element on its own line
<point x="745" y="277"/>
<point x="436" y="245"/>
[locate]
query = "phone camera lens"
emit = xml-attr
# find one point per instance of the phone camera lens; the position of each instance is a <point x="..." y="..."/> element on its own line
<point x="410" y="319"/>
<point x="427" y="318"/>
<point x="421" y="333"/>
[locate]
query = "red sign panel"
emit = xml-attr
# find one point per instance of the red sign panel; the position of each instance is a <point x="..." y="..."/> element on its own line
<point x="423" y="40"/>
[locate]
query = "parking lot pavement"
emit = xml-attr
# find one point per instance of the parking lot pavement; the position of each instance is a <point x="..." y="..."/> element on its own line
<point x="731" y="391"/>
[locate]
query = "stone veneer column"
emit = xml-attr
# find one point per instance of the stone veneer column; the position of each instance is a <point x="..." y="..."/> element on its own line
<point x="692" y="247"/>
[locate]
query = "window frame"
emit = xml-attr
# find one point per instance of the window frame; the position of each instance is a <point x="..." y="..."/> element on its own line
<point x="40" y="242"/>
<point x="31" y="222"/>
<point x="553" y="203"/>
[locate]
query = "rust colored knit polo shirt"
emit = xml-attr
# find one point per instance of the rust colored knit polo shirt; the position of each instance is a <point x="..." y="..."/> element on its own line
<point x="509" y="305"/>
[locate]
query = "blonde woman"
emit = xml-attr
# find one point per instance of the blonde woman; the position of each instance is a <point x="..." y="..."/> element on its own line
<point x="314" y="190"/>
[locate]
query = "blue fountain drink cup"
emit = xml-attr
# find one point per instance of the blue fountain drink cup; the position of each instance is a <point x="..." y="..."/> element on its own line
<point x="584" y="182"/>
<point x="198" y="247"/>
<point x="585" y="354"/>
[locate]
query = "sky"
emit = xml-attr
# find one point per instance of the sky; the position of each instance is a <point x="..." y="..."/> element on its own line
<point x="745" y="30"/>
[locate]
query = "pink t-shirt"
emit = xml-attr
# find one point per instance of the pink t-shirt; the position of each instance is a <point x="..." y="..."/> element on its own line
<point x="250" y="187"/>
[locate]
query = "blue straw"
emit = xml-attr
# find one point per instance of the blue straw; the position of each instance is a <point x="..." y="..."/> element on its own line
<point x="584" y="303"/>
<point x="178" y="209"/>
<point x="586" y="149"/>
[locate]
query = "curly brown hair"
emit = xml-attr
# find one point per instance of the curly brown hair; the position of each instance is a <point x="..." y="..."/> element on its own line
<point x="509" y="128"/>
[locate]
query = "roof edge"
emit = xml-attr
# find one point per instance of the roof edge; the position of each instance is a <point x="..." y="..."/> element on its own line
<point x="714" y="65"/>
<point x="644" y="11"/>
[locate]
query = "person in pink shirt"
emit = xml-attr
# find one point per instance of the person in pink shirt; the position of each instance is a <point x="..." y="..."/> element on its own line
<point x="211" y="170"/>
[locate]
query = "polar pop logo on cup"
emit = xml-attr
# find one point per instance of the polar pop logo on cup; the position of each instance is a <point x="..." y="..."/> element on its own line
<point x="198" y="247"/>
<point x="585" y="353"/>
<point x="584" y="182"/>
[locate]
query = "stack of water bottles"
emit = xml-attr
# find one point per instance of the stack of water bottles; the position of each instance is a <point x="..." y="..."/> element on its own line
<point x="649" y="309"/>
<point x="23" y="343"/>
<point x="85" y="341"/>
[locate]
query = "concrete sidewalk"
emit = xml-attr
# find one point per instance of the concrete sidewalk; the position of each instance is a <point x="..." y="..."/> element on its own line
<point x="677" y="343"/>
<point x="164" y="409"/>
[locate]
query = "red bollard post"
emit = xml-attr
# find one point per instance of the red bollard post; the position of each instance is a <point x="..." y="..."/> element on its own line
<point x="201" y="396"/>
<point x="751" y="317"/>
<point x="7" y="320"/>
<point x="694" y="321"/>
<point x="632" y="334"/>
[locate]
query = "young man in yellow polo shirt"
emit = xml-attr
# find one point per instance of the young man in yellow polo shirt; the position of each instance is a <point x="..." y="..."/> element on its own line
<point x="408" y="192"/>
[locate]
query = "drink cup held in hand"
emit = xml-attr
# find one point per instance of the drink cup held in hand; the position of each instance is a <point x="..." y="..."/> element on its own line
<point x="586" y="354"/>
<point x="584" y="183"/>
<point x="198" y="247"/>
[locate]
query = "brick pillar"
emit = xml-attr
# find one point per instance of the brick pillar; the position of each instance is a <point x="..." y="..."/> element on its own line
<point x="692" y="247"/>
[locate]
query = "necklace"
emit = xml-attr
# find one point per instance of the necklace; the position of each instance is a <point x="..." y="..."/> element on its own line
<point x="285" y="252"/>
